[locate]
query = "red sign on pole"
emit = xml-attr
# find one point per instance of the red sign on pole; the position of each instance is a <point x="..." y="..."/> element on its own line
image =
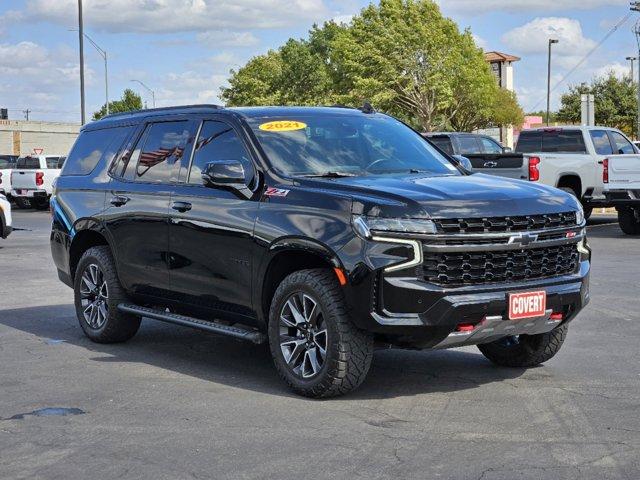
<point x="38" y="151"/>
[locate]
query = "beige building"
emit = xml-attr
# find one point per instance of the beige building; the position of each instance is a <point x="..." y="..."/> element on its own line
<point x="502" y="68"/>
<point x="19" y="137"/>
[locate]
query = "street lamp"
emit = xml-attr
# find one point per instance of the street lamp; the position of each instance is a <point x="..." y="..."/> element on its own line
<point x="551" y="42"/>
<point x="153" y="94"/>
<point x="102" y="53"/>
<point x="632" y="59"/>
<point x="81" y="44"/>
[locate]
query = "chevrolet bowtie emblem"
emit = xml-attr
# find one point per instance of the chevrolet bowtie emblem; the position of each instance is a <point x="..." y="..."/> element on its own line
<point x="490" y="164"/>
<point x="523" y="239"/>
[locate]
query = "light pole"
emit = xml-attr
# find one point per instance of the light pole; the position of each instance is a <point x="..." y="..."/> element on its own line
<point x="635" y="7"/>
<point x="551" y="42"/>
<point x="632" y="59"/>
<point x="81" y="42"/>
<point x="103" y="54"/>
<point x="153" y="94"/>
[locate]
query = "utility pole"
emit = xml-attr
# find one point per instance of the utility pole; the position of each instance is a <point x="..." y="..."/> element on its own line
<point x="81" y="41"/>
<point x="631" y="60"/>
<point x="551" y="42"/>
<point x="26" y="114"/>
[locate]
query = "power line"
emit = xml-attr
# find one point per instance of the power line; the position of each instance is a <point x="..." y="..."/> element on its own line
<point x="621" y="22"/>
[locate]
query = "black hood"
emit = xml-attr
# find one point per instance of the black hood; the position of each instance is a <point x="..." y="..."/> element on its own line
<point x="464" y="196"/>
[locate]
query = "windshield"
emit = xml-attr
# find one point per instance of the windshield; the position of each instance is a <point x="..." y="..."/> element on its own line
<point x="336" y="145"/>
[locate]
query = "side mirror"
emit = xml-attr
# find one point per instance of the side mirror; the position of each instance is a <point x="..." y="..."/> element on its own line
<point x="507" y="150"/>
<point x="226" y="174"/>
<point x="464" y="162"/>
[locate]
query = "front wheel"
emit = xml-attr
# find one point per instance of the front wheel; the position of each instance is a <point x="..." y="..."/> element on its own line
<point x="316" y="348"/>
<point x="525" y="350"/>
<point x="97" y="293"/>
<point x="629" y="221"/>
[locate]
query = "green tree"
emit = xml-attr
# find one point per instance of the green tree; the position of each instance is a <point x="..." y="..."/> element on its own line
<point x="402" y="55"/>
<point x="129" y="101"/>
<point x="615" y="100"/>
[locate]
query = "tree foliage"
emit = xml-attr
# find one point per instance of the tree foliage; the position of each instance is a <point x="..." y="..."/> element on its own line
<point x="615" y="101"/>
<point x="403" y="56"/>
<point x="129" y="101"/>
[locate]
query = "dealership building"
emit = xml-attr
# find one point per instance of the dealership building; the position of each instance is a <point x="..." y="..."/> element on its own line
<point x="21" y="137"/>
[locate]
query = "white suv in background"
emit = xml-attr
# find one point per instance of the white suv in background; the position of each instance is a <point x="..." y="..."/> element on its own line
<point x="6" y="225"/>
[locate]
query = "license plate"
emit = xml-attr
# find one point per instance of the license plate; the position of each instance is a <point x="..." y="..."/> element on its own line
<point x="527" y="305"/>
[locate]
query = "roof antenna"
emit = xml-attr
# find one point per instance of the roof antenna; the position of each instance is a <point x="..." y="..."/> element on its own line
<point x="367" y="108"/>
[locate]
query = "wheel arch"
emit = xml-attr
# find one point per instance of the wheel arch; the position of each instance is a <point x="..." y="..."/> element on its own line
<point x="288" y="255"/>
<point x="571" y="180"/>
<point x="82" y="241"/>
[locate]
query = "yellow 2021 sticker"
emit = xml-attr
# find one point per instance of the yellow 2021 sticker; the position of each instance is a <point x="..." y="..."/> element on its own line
<point x="282" y="126"/>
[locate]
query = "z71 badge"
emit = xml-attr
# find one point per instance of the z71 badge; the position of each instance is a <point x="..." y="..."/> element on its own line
<point x="276" y="192"/>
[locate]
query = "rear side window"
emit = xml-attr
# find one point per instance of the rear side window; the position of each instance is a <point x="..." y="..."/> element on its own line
<point x="164" y="147"/>
<point x="468" y="144"/>
<point x="7" y="161"/>
<point x="52" y="162"/>
<point x="28" y="163"/>
<point x="490" y="146"/>
<point x="551" y="141"/>
<point x="443" y="143"/>
<point x="623" y="146"/>
<point x="601" y="142"/>
<point x="92" y="146"/>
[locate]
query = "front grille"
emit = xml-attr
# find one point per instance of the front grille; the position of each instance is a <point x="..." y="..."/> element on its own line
<point x="460" y="269"/>
<point x="505" y="224"/>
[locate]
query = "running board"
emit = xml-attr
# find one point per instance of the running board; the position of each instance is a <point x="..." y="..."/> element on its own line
<point x="213" y="326"/>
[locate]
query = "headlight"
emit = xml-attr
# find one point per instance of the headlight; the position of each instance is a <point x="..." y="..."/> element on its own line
<point x="579" y="216"/>
<point x="365" y="225"/>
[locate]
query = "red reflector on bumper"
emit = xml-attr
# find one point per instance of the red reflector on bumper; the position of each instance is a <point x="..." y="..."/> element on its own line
<point x="465" y="327"/>
<point x="556" y="316"/>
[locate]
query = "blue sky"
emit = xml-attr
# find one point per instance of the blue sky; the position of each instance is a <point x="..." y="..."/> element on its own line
<point x="183" y="49"/>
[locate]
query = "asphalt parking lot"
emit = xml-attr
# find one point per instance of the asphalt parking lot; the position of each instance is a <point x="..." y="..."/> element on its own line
<point x="175" y="403"/>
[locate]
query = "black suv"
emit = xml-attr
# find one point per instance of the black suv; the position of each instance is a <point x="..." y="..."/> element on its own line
<point x="322" y="231"/>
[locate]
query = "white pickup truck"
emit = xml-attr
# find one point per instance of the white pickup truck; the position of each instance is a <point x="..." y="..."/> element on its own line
<point x="7" y="163"/>
<point x="32" y="179"/>
<point x="570" y="158"/>
<point x="621" y="176"/>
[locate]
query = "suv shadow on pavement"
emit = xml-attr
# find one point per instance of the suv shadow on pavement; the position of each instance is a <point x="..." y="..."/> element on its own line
<point x="395" y="373"/>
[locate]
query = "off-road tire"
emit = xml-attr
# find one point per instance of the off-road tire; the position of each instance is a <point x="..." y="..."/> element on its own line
<point x="529" y="351"/>
<point x="349" y="350"/>
<point x="629" y="221"/>
<point x="119" y="326"/>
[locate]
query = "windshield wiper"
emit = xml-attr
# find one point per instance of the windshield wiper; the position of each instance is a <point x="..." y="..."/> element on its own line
<point x="330" y="175"/>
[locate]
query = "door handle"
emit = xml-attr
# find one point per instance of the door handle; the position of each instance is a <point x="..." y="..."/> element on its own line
<point x="119" y="200"/>
<point x="181" y="206"/>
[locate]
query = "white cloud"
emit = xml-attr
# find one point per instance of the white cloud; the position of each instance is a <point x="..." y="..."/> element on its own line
<point x="513" y="6"/>
<point x="340" y="19"/>
<point x="189" y="87"/>
<point x="533" y="38"/>
<point x="228" y="39"/>
<point x="165" y="16"/>
<point x="619" y="70"/>
<point x="481" y="42"/>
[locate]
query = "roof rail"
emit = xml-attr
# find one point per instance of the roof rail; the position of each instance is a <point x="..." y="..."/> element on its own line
<point x="163" y="109"/>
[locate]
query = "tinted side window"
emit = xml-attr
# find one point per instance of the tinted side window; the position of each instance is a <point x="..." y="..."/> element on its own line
<point x="563" y="141"/>
<point x="468" y="144"/>
<point x="52" y="162"/>
<point x="490" y="146"/>
<point x="601" y="142"/>
<point x="91" y="147"/>
<point x="443" y="143"/>
<point x="28" y="163"/>
<point x="218" y="141"/>
<point x="623" y="146"/>
<point x="529" y="142"/>
<point x="164" y="147"/>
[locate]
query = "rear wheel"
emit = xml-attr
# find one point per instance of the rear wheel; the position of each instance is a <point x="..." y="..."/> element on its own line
<point x="316" y="348"/>
<point x="587" y="210"/>
<point x="525" y="350"/>
<point x="41" y="204"/>
<point x="629" y="221"/>
<point x="97" y="294"/>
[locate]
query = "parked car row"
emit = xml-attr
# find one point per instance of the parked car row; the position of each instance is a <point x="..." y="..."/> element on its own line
<point x="598" y="165"/>
<point x="28" y="180"/>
